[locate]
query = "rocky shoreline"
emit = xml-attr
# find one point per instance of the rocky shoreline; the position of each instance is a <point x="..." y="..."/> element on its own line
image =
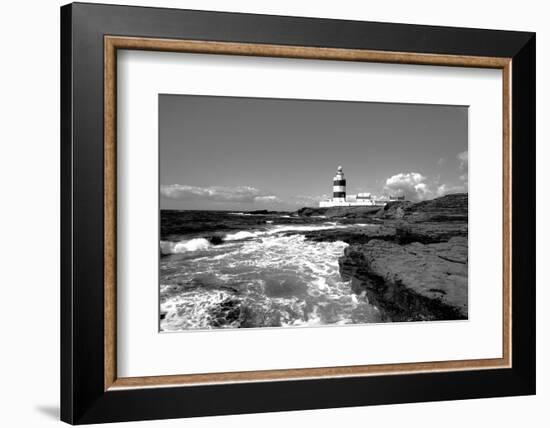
<point x="410" y="260"/>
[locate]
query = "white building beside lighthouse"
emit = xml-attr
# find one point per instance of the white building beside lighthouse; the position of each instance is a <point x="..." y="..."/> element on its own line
<point x="340" y="198"/>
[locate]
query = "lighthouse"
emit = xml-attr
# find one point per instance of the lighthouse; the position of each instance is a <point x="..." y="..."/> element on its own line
<point x="340" y="198"/>
<point x="339" y="186"/>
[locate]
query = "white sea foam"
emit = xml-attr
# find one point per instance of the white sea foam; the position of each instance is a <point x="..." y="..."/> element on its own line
<point x="195" y="244"/>
<point x="277" y="274"/>
<point x="307" y="227"/>
<point x="196" y="305"/>
<point x="313" y="319"/>
<point x="243" y="234"/>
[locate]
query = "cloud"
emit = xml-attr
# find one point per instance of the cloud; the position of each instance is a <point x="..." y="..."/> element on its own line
<point x="239" y="194"/>
<point x="463" y="162"/>
<point x="463" y="167"/>
<point x="416" y="187"/>
<point x="267" y="199"/>
<point x="412" y="185"/>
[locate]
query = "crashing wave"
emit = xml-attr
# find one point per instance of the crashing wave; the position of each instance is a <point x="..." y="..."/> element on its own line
<point x="196" y="244"/>
<point x="204" y="243"/>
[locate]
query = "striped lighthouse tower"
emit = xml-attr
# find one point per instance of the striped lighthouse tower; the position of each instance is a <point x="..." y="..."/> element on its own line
<point x="339" y="186"/>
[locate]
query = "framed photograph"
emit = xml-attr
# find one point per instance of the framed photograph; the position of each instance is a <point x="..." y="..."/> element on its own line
<point x="266" y="213"/>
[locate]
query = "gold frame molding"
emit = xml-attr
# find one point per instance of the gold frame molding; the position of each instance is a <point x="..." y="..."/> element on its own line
<point x="113" y="43"/>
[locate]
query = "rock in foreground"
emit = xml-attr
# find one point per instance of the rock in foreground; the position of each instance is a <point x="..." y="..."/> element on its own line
<point x="411" y="282"/>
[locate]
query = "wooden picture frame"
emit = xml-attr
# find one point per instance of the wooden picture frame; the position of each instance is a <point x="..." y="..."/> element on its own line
<point x="91" y="390"/>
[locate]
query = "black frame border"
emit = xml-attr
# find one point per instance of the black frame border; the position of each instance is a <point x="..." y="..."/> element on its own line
<point x="83" y="399"/>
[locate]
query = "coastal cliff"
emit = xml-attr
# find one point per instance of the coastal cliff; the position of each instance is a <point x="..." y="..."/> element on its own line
<point x="410" y="260"/>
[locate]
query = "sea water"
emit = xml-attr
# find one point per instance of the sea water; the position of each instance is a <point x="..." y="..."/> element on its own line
<point x="229" y="272"/>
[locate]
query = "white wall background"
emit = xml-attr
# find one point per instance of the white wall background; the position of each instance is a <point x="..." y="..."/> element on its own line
<point x="29" y="217"/>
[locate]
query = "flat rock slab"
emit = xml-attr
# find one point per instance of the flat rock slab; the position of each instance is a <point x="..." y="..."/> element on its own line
<point x="399" y="231"/>
<point x="339" y="212"/>
<point x="414" y="281"/>
<point x="429" y="232"/>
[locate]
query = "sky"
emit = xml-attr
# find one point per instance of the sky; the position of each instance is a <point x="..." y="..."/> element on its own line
<point x="231" y="153"/>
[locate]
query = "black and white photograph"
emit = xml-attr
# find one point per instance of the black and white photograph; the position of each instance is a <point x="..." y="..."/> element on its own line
<point x="298" y="213"/>
<point x="248" y="214"/>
